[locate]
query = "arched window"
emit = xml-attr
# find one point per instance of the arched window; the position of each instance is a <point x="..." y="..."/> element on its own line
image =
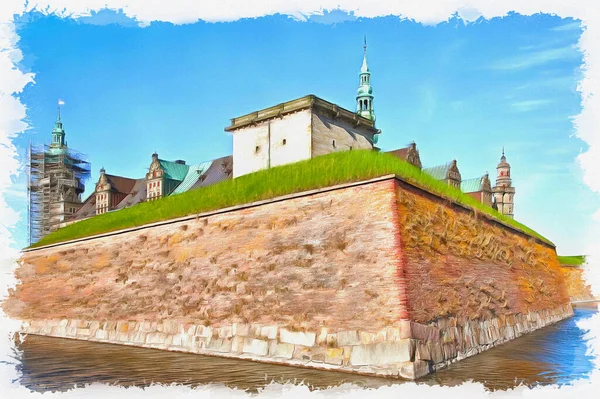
<point x="284" y="141"/>
<point x="333" y="143"/>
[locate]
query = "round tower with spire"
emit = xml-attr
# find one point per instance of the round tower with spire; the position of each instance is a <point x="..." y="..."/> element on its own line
<point x="504" y="191"/>
<point x="364" y="97"/>
<point x="58" y="143"/>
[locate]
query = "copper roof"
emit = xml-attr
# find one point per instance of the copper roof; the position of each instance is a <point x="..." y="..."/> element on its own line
<point x="219" y="170"/>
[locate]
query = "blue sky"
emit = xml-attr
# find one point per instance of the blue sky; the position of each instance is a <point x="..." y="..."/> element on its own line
<point x="461" y="91"/>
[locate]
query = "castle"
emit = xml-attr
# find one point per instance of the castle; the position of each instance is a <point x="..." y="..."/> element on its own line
<point x="292" y="131"/>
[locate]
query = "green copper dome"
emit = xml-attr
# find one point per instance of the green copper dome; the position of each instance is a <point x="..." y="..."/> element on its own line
<point x="364" y="90"/>
<point x="364" y="94"/>
<point x="58" y="143"/>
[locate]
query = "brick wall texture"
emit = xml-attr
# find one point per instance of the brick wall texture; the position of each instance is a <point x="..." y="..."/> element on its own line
<point x="379" y="278"/>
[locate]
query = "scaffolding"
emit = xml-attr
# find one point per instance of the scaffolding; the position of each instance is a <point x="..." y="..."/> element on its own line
<point x="56" y="179"/>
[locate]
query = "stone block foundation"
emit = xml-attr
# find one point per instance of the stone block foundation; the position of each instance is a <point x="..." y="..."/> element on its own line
<point x="401" y="351"/>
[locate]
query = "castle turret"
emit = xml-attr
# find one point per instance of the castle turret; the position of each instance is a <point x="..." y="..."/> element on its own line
<point x="504" y="191"/>
<point x="364" y="97"/>
<point x="58" y="144"/>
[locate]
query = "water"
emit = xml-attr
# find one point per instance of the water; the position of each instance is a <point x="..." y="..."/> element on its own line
<point x="553" y="355"/>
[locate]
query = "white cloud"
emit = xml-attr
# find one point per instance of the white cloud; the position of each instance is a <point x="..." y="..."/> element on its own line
<point x="529" y="105"/>
<point x="571" y="26"/>
<point x="536" y="58"/>
<point x="558" y="83"/>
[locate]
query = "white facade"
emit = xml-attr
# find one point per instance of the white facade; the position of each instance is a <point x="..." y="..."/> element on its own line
<point x="274" y="142"/>
<point x="298" y="130"/>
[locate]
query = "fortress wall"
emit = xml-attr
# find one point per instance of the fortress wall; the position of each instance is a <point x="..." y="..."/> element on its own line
<point x="376" y="278"/>
<point x="472" y="283"/>
<point x="474" y="268"/>
<point x="577" y="288"/>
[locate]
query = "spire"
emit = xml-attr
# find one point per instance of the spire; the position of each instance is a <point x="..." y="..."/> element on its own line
<point x="364" y="97"/>
<point x="58" y="133"/>
<point x="365" y="67"/>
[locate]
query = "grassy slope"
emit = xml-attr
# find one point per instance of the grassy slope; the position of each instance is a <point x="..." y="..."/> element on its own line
<point x="341" y="167"/>
<point x="575" y="260"/>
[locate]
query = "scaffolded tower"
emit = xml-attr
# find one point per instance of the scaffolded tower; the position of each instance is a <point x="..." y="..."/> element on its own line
<point x="56" y="181"/>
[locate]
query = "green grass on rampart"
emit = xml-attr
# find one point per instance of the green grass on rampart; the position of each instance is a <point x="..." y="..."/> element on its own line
<point x="575" y="260"/>
<point x="328" y="170"/>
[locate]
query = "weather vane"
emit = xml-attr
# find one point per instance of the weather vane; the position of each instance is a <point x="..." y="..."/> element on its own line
<point x="60" y="102"/>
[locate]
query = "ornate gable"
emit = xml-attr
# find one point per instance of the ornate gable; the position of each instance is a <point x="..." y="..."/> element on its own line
<point x="485" y="183"/>
<point x="453" y="173"/>
<point x="412" y="156"/>
<point x="103" y="183"/>
<point x="155" y="170"/>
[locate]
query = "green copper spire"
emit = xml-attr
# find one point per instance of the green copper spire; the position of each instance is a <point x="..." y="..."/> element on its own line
<point x="58" y="133"/>
<point x="364" y="98"/>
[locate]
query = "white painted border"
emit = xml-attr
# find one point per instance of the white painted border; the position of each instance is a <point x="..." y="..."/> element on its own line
<point x="181" y="11"/>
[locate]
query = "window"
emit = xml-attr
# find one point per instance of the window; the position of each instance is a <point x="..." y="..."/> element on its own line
<point x="333" y="143"/>
<point x="257" y="149"/>
<point x="284" y="141"/>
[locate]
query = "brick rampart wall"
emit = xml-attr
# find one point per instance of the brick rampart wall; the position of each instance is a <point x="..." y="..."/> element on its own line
<point x="378" y="278"/>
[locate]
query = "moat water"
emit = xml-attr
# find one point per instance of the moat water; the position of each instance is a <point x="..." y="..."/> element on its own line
<point x="553" y="355"/>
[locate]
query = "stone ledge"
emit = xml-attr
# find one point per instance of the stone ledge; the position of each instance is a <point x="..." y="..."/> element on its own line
<point x="347" y="351"/>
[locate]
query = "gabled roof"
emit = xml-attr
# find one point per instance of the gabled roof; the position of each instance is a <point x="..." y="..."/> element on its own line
<point x="442" y="172"/>
<point x="193" y="174"/>
<point x="219" y="170"/>
<point x="88" y="209"/>
<point x="409" y="154"/>
<point x="174" y="170"/>
<point x="136" y="195"/>
<point x="439" y="172"/>
<point x="472" y="185"/>
<point x="120" y="184"/>
<point x="401" y="153"/>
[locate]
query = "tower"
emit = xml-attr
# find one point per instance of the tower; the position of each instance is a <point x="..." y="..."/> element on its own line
<point x="56" y="182"/>
<point x="504" y="191"/>
<point x="364" y="97"/>
<point x="58" y="144"/>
